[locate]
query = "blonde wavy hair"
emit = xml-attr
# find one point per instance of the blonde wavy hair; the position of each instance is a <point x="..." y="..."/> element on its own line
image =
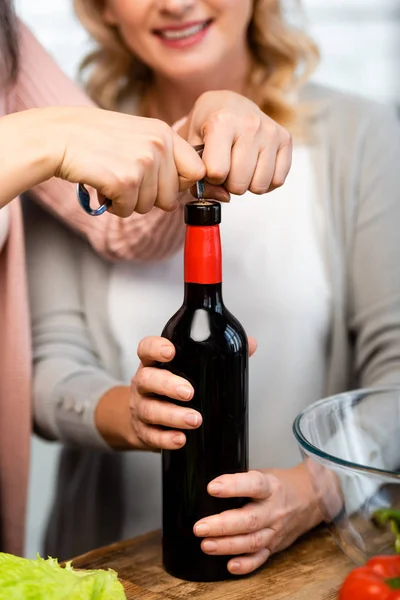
<point x="282" y="60"/>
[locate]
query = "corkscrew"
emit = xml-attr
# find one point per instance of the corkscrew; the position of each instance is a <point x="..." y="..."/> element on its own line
<point x="200" y="184"/>
<point x="84" y="196"/>
<point x="84" y="200"/>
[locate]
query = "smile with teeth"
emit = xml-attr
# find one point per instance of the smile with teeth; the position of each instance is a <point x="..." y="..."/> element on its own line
<point x="170" y="34"/>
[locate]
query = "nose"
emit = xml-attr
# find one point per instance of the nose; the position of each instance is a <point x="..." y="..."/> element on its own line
<point x="176" y="7"/>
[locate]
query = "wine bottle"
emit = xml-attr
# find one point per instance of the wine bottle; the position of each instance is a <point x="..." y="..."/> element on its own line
<point x="211" y="353"/>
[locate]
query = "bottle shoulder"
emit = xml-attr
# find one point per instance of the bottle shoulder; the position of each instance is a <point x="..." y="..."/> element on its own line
<point x="203" y="327"/>
<point x="234" y="323"/>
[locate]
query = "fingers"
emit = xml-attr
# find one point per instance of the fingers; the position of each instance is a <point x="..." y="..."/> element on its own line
<point x="213" y="192"/>
<point x="242" y="565"/>
<point x="125" y="204"/>
<point x="274" y="161"/>
<point x="252" y="345"/>
<point x="218" y="142"/>
<point x="283" y="163"/>
<point x="150" y="415"/>
<point x="148" y="189"/>
<point x="252" y="484"/>
<point x="238" y="544"/>
<point x="264" y="171"/>
<point x="188" y="163"/>
<point x="166" y="414"/>
<point x="243" y="148"/>
<point x="168" y="180"/>
<point x="155" y="438"/>
<point x="243" y="161"/>
<point x="153" y="349"/>
<point x="248" y="519"/>
<point x="258" y="163"/>
<point x="137" y="163"/>
<point x="114" y="182"/>
<point x="151" y="380"/>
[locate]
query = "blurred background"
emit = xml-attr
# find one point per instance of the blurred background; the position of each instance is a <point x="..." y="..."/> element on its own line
<point x="360" y="47"/>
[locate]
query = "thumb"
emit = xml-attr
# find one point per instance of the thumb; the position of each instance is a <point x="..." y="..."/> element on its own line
<point x="188" y="163"/>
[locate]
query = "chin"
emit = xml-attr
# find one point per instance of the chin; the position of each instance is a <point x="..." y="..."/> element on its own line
<point x="190" y="72"/>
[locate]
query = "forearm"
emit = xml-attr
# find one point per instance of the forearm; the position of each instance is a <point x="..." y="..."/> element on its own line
<point x="154" y="236"/>
<point x="88" y="408"/>
<point x="25" y="155"/>
<point x="113" y="419"/>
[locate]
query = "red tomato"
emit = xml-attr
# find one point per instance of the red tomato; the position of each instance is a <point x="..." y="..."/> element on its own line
<point x="363" y="584"/>
<point x="386" y="567"/>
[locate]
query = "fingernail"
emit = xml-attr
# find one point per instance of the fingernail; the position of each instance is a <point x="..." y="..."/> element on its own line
<point x="215" y="488"/>
<point x="178" y="439"/>
<point x="209" y="546"/>
<point x="184" y="391"/>
<point x="166" y="351"/>
<point x="234" y="566"/>
<point x="202" y="530"/>
<point x="192" y="419"/>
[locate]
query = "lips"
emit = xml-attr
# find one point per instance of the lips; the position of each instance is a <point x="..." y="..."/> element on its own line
<point x="182" y="32"/>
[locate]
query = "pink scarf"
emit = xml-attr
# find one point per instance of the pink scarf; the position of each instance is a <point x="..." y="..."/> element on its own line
<point x="15" y="386"/>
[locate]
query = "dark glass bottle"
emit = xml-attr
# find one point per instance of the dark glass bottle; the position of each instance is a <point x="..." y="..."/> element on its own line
<point x="212" y="353"/>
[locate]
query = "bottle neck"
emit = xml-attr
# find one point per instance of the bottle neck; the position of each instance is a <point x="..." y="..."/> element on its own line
<point x="204" y="295"/>
<point x="203" y="266"/>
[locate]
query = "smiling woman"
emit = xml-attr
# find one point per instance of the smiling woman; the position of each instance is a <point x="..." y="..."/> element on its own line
<point x="134" y="41"/>
<point x="137" y="162"/>
<point x="311" y="271"/>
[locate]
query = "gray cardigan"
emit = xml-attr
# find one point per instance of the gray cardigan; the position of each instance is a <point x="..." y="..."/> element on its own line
<point x="356" y="149"/>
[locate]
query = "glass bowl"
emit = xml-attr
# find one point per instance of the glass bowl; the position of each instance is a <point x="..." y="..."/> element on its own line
<point x="351" y="446"/>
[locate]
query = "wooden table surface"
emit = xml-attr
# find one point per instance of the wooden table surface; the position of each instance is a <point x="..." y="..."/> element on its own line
<point x="312" y="569"/>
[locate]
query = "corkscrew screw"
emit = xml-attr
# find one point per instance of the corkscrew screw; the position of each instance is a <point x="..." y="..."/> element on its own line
<point x="200" y="184"/>
<point x="84" y="196"/>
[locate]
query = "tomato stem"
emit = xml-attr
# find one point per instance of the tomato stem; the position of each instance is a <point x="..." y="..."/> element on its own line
<point x="383" y="516"/>
<point x="394" y="583"/>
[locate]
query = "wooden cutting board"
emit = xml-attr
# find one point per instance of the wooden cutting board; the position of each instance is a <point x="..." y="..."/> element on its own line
<point x="133" y="591"/>
<point x="312" y="569"/>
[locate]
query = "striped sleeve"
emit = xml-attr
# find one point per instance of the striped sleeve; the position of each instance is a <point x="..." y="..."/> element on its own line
<point x="149" y="237"/>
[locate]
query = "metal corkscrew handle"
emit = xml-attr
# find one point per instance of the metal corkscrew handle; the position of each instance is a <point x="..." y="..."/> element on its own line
<point x="84" y="196"/>
<point x="84" y="200"/>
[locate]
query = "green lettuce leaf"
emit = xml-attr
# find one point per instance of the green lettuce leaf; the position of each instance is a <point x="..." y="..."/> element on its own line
<point x="40" y="579"/>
